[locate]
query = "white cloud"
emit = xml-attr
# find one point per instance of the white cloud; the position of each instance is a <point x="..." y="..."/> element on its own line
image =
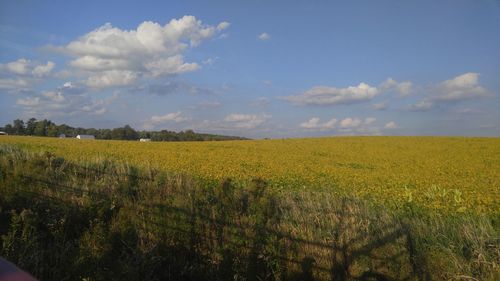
<point x="390" y="125"/>
<point x="14" y="83"/>
<point x="22" y="74"/>
<point x="380" y="106"/>
<point x="169" y="66"/>
<point x="468" y="111"/>
<point x="151" y="50"/>
<point x="29" y="101"/>
<point x="210" y="61"/>
<point x="111" y="78"/>
<point x="402" y="88"/>
<point x="462" y="87"/>
<point x="170" y="117"/>
<point x="264" y="36"/>
<point x="358" y="126"/>
<point x="370" y="120"/>
<point x="247" y="121"/>
<point x="423" y="105"/>
<point x="21" y="66"/>
<point x="43" y="70"/>
<point x="261" y="102"/>
<point x="314" y="124"/>
<point x="55" y="96"/>
<point x="24" y="67"/>
<point x="68" y="99"/>
<point x="223" y="25"/>
<point x="209" y="104"/>
<point x="322" y="95"/>
<point x="349" y="123"/>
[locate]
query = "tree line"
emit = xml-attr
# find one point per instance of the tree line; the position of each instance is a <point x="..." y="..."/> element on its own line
<point x="47" y="128"/>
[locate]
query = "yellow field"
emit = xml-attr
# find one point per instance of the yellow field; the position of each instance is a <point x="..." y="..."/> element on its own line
<point x="446" y="174"/>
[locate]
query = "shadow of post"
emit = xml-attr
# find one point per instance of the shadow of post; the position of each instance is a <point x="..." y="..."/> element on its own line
<point x="233" y="231"/>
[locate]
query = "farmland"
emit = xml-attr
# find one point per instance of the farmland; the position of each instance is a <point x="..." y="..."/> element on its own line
<point x="350" y="208"/>
<point x="445" y="174"/>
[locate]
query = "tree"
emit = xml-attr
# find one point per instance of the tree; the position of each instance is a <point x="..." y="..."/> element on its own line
<point x="130" y="134"/>
<point x="52" y="131"/>
<point x="30" y="126"/>
<point x="8" y="129"/>
<point x="40" y="128"/>
<point x="18" y="127"/>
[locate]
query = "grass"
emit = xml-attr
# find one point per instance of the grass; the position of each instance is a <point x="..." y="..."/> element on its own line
<point x="106" y="220"/>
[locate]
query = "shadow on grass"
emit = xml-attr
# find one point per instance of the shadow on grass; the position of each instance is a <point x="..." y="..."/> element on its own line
<point x="181" y="231"/>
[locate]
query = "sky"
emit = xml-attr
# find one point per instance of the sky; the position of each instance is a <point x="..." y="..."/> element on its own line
<point x="258" y="69"/>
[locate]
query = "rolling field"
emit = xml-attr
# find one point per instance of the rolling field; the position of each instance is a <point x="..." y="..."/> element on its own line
<point x="445" y="174"/>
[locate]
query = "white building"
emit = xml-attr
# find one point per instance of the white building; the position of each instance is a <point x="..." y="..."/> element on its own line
<point x="3" y="133"/>
<point x="62" y="136"/>
<point x="85" y="137"/>
<point x="144" y="140"/>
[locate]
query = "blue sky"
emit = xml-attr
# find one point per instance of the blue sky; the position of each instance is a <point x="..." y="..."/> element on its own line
<point x="255" y="68"/>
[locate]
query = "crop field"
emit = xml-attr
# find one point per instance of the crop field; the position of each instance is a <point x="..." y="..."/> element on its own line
<point x="445" y="174"/>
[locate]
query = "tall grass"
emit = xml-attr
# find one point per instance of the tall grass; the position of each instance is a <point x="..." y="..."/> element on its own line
<point x="101" y="220"/>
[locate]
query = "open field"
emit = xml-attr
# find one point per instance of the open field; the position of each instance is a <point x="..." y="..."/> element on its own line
<point x="105" y="220"/>
<point x="441" y="173"/>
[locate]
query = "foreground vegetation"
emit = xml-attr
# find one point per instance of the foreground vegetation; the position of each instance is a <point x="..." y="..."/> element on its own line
<point x="104" y="220"/>
<point x="449" y="175"/>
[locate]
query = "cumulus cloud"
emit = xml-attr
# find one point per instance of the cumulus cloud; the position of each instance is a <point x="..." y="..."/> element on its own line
<point x="170" y="117"/>
<point x="370" y="120"/>
<point x="458" y="89"/>
<point x="349" y="125"/>
<point x="401" y="88"/>
<point x="462" y="87"/>
<point x="22" y="73"/>
<point x="380" y="106"/>
<point x="68" y="99"/>
<point x="246" y="121"/>
<point x="24" y="67"/>
<point x="390" y="125"/>
<point x="116" y="57"/>
<point x="314" y="124"/>
<point x="112" y="78"/>
<point x="358" y="126"/>
<point x="14" y="83"/>
<point x="209" y="104"/>
<point x="223" y="25"/>
<point x="261" y="102"/>
<point x="322" y="95"/>
<point x="421" y="106"/>
<point x="29" y="101"/>
<point x="264" y="36"/>
<point x="156" y="120"/>
<point x="174" y="87"/>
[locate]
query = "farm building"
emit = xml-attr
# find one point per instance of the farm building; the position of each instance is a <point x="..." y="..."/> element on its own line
<point x="62" y="136"/>
<point x="3" y="133"/>
<point x="85" y="137"/>
<point x="144" y="140"/>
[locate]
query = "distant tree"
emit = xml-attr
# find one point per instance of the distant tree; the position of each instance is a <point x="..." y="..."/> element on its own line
<point x="48" y="128"/>
<point x="30" y="126"/>
<point x="8" y="129"/>
<point x="18" y="127"/>
<point x="40" y="128"/>
<point x="130" y="134"/>
<point x="52" y="131"/>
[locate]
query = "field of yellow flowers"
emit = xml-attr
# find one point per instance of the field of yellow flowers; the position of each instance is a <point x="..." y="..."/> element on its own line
<point x="451" y="174"/>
